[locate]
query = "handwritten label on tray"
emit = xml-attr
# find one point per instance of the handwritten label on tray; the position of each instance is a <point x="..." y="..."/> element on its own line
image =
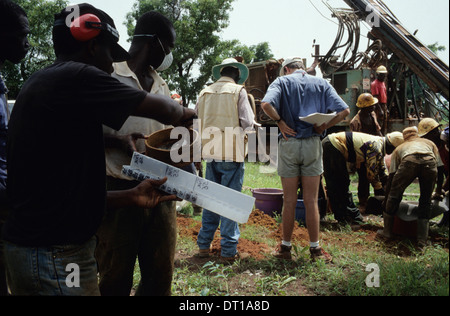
<point x="214" y="197"/>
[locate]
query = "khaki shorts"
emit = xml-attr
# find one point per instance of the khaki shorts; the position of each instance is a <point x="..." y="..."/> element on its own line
<point x="300" y="157"/>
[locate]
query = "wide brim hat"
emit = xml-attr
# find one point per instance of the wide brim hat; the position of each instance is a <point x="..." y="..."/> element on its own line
<point x="289" y="61"/>
<point x="118" y="53"/>
<point x="231" y="62"/>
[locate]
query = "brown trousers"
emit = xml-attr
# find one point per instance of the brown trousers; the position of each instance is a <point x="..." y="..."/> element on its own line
<point x="412" y="167"/>
<point x="147" y="234"/>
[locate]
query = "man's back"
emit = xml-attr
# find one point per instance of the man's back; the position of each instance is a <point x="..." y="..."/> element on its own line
<point x="218" y="110"/>
<point x="56" y="167"/>
<point x="299" y="95"/>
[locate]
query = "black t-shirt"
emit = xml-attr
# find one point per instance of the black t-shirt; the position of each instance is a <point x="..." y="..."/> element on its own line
<point x="56" y="160"/>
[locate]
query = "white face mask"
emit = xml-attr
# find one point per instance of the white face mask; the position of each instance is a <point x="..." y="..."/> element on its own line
<point x="168" y="60"/>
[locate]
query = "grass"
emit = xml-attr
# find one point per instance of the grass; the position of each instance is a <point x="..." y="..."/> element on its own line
<point x="360" y="259"/>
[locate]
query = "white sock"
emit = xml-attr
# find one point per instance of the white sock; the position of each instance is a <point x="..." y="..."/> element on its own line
<point x="286" y="243"/>
<point x="314" y="244"/>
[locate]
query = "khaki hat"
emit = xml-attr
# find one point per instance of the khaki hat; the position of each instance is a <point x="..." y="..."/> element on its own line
<point x="410" y="133"/>
<point x="289" y="61"/>
<point x="382" y="70"/>
<point x="396" y="139"/>
<point x="427" y="125"/>
<point x="231" y="62"/>
<point x="366" y="100"/>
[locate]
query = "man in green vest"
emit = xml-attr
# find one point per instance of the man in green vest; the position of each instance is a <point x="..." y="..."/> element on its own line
<point x="225" y="113"/>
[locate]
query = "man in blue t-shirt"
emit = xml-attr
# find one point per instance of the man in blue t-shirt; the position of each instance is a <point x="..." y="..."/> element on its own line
<point x="293" y="95"/>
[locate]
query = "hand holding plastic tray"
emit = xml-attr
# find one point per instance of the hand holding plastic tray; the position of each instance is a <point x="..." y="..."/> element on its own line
<point x="209" y="195"/>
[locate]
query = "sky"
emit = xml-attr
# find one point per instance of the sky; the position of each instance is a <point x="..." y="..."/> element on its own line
<point x="291" y="26"/>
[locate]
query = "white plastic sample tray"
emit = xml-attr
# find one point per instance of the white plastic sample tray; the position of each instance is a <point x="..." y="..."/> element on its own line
<point x="214" y="197"/>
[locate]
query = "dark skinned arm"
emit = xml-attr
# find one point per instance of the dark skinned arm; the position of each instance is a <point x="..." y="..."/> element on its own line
<point x="145" y="195"/>
<point x="165" y="110"/>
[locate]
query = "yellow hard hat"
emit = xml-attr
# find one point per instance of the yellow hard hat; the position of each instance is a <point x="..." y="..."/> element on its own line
<point x="382" y="70"/>
<point x="395" y="138"/>
<point x="366" y="100"/>
<point x="427" y="125"/>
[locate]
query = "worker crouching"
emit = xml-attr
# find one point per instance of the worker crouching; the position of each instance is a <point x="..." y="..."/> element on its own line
<point x="356" y="148"/>
<point x="416" y="158"/>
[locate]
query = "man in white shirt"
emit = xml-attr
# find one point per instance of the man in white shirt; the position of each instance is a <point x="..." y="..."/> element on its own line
<point x="148" y="234"/>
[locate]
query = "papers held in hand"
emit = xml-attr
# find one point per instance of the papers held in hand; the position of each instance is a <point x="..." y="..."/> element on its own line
<point x="318" y="118"/>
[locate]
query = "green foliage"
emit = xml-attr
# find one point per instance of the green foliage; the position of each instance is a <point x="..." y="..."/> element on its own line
<point x="41" y="15"/>
<point x="198" y="24"/>
<point x="262" y="52"/>
<point x="198" y="47"/>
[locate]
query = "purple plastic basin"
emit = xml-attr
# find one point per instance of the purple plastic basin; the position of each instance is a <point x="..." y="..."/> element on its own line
<point x="269" y="201"/>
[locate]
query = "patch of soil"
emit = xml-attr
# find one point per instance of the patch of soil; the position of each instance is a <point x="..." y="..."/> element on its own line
<point x="401" y="246"/>
<point x="259" y="218"/>
<point x="256" y="250"/>
<point x="188" y="227"/>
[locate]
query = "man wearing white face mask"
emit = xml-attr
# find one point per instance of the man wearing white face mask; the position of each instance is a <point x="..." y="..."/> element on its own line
<point x="149" y="235"/>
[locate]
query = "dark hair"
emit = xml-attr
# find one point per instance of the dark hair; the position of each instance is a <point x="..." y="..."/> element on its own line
<point x="154" y="23"/>
<point x="231" y="72"/>
<point x="10" y="13"/>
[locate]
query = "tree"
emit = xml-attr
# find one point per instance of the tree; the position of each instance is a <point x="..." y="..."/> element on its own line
<point x="198" y="46"/>
<point x="436" y="48"/>
<point x="41" y="16"/>
<point x="262" y="52"/>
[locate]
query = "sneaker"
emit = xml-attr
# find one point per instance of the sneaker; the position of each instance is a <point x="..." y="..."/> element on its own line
<point x="319" y="253"/>
<point x="283" y="252"/>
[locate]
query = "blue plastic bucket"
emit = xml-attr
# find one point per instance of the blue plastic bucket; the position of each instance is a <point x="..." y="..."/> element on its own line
<point x="300" y="212"/>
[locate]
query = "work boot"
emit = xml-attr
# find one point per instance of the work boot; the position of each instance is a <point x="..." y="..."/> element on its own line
<point x="237" y="256"/>
<point x="283" y="252"/>
<point x="423" y="227"/>
<point x="319" y="253"/>
<point x="203" y="253"/>
<point x="386" y="232"/>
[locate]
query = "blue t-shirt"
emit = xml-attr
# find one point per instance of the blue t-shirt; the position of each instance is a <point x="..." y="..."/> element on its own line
<point x="299" y="95"/>
<point x="3" y="134"/>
